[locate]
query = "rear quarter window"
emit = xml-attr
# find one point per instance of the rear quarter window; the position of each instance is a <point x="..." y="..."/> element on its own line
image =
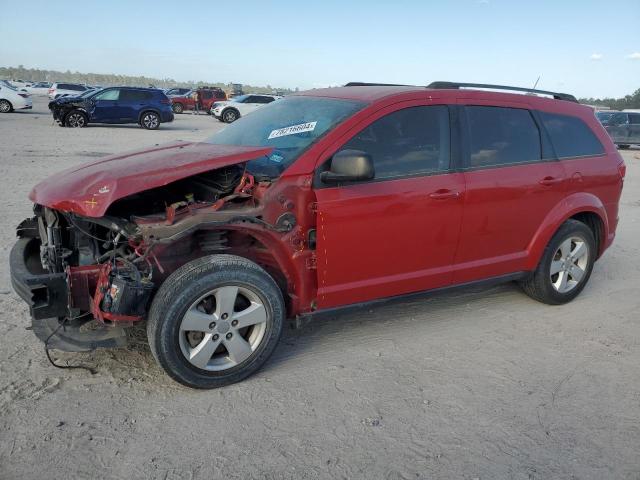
<point x="570" y="136"/>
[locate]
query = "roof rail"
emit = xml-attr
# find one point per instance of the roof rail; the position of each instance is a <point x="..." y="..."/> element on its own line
<point x="367" y="84"/>
<point x="456" y="85"/>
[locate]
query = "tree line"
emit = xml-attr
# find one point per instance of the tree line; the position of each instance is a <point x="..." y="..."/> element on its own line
<point x="628" y="101"/>
<point x="107" y="79"/>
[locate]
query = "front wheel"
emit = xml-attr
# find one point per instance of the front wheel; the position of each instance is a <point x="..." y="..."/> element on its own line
<point x="5" y="106"/>
<point x="215" y="321"/>
<point x="230" y="116"/>
<point x="76" y="119"/>
<point x="565" y="266"/>
<point x="150" y="120"/>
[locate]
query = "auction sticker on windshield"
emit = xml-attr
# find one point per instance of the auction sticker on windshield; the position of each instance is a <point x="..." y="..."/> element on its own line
<point x="292" y="130"/>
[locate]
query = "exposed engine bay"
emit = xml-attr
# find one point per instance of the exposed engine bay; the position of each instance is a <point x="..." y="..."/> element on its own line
<point x="109" y="267"/>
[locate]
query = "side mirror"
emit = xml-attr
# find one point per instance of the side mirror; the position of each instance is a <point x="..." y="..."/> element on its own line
<point x="349" y="166"/>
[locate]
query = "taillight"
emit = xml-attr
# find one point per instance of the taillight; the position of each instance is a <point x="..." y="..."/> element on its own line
<point x="622" y="170"/>
<point x="51" y="90"/>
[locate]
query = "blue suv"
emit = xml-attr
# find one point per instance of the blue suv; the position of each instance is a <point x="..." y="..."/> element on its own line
<point x="148" y="107"/>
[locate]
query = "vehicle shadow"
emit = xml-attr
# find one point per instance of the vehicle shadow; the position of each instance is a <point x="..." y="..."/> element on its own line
<point x="400" y="313"/>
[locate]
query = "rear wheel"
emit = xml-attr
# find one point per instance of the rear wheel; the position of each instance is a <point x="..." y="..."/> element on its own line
<point x="5" y="106"/>
<point x="76" y="119"/>
<point x="230" y="115"/>
<point x="177" y="108"/>
<point x="150" y="120"/>
<point x="215" y="321"/>
<point x="565" y="266"/>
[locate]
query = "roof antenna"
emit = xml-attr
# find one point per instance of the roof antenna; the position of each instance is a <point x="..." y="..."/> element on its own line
<point x="536" y="84"/>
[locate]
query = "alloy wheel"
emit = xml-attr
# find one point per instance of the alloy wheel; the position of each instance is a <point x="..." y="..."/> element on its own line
<point x="223" y="328"/>
<point x="569" y="264"/>
<point x="76" y="120"/>
<point x="150" y="120"/>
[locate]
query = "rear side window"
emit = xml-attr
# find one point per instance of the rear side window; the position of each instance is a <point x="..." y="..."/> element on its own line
<point x="502" y="136"/>
<point x="571" y="137"/>
<point x="135" y="95"/>
<point x="634" y="118"/>
<point x="219" y="94"/>
<point x="407" y="142"/>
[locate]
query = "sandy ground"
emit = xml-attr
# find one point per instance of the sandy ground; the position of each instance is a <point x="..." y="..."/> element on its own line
<point x="486" y="384"/>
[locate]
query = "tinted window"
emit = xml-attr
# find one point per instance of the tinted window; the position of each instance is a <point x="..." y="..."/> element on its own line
<point x="206" y="94"/>
<point x="502" y="136"/>
<point x="410" y="141"/>
<point x="618" y="119"/>
<point x="571" y="137"/>
<point x="108" y="95"/>
<point x="262" y="99"/>
<point x="135" y="95"/>
<point x="219" y="94"/>
<point x="634" y="118"/>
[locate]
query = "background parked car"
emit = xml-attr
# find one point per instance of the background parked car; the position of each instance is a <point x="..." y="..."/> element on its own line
<point x="230" y="111"/>
<point x="20" y="84"/>
<point x="208" y="95"/>
<point x="176" y="91"/>
<point x="11" y="99"/>
<point x="623" y="127"/>
<point x="145" y="106"/>
<point x="58" y="89"/>
<point x="39" y="88"/>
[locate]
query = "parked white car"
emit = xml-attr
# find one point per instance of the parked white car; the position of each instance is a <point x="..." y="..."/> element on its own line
<point x="231" y="110"/>
<point x="59" y="89"/>
<point x="11" y="99"/>
<point x="39" y="88"/>
<point x="20" y="84"/>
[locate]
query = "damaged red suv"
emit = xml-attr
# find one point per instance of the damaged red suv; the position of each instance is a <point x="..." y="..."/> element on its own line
<point x="324" y="199"/>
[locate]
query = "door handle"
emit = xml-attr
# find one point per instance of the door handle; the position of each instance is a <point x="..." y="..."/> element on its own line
<point x="444" y="194"/>
<point x="548" y="181"/>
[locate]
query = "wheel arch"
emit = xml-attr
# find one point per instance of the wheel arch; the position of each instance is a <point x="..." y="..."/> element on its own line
<point x="584" y="207"/>
<point x="9" y="102"/>
<point x="149" y="109"/>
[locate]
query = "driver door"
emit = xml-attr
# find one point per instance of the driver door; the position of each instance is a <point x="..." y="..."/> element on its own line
<point x="105" y="107"/>
<point x="397" y="233"/>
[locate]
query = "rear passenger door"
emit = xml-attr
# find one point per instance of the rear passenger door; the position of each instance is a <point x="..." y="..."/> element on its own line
<point x="397" y="233"/>
<point x="132" y="103"/>
<point x="513" y="183"/>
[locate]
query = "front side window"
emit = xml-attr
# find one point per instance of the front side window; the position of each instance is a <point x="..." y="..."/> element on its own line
<point x="501" y="136"/>
<point x="570" y="136"/>
<point x="290" y="126"/>
<point x="109" y="95"/>
<point x="411" y="141"/>
<point x="618" y="119"/>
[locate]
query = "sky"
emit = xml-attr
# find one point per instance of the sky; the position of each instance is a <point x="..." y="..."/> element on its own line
<point x="586" y="48"/>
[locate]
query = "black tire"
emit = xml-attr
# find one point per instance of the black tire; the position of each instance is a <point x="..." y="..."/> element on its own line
<point x="5" y="106"/>
<point x="188" y="284"/>
<point x="540" y="286"/>
<point x="623" y="147"/>
<point x="177" y="108"/>
<point x="230" y="115"/>
<point x="150" y="120"/>
<point x="76" y="119"/>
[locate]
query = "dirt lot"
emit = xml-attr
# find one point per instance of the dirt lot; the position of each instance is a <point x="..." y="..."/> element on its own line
<point x="484" y="384"/>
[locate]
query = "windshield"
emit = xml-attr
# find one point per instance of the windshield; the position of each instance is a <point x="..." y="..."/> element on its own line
<point x="289" y="125"/>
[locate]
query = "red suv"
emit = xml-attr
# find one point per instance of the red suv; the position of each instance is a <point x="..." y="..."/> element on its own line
<point x="321" y="200"/>
<point x="207" y="97"/>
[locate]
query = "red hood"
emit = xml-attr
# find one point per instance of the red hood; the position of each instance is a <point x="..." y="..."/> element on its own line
<point x="89" y="189"/>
